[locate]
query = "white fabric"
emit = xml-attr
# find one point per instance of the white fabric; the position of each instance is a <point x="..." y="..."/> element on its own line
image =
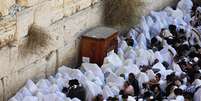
<point x="142" y="78"/>
<point x="107" y="92"/>
<point x="90" y="91"/>
<point x="114" y="59"/>
<point x="30" y="85"/>
<point x="177" y="69"/>
<point x="43" y="86"/>
<point x="75" y="99"/>
<point x="197" y="96"/>
<point x="114" y="80"/>
<point x="197" y="82"/>
<point x="108" y="68"/>
<point x="95" y="69"/>
<point x="150" y="74"/>
<point x="130" y="98"/>
<point x="30" y="98"/>
<point x="123" y="45"/>
<point x="180" y="98"/>
<point x="13" y="99"/>
<point x="185" y="6"/>
<point x="158" y="56"/>
<point x="145" y="28"/>
<point x="25" y="92"/>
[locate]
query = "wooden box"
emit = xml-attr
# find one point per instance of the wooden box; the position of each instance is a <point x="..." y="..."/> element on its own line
<point x="96" y="43"/>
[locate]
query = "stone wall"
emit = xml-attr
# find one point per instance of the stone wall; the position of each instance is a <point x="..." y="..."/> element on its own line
<point x="38" y="36"/>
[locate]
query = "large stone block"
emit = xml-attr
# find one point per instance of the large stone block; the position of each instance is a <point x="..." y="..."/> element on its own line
<point x="48" y="12"/>
<point x="68" y="56"/>
<point x="12" y="84"/>
<point x="7" y="30"/>
<point x="5" y="6"/>
<point x="24" y="21"/>
<point x="56" y="32"/>
<point x="34" y="71"/>
<point x="51" y="63"/>
<point x="28" y="3"/>
<point x="5" y="61"/>
<point x="1" y="91"/>
<point x="73" y="6"/>
<point x="76" y="24"/>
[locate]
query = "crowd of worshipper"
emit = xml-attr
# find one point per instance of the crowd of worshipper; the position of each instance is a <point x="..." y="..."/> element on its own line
<point x="158" y="60"/>
<point x="176" y="47"/>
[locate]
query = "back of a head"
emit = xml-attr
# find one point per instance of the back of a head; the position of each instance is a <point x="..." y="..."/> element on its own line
<point x="178" y="91"/>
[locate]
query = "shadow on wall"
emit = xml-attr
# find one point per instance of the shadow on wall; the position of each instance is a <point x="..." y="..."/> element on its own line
<point x="126" y="13"/>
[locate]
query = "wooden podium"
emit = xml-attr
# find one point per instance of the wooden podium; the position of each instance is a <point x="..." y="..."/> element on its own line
<point x="96" y="43"/>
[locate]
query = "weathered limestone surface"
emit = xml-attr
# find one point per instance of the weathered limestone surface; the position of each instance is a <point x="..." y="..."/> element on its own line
<point x="4" y="6"/>
<point x="48" y="12"/>
<point x="7" y="30"/>
<point x="24" y="21"/>
<point x="1" y="91"/>
<point x="63" y="21"/>
<point x="28" y="3"/>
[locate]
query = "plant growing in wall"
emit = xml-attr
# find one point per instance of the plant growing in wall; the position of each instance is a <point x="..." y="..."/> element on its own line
<point x="37" y="41"/>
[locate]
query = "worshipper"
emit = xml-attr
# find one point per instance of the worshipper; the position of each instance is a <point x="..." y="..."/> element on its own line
<point x="99" y="97"/>
<point x="148" y="96"/>
<point x="75" y="90"/>
<point x="196" y="20"/>
<point x="156" y="80"/>
<point x="159" y="95"/>
<point x="179" y="94"/>
<point x="127" y="89"/>
<point x="134" y="82"/>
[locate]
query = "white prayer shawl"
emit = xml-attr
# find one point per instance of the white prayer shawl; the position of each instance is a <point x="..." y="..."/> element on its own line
<point x="121" y="70"/>
<point x="177" y="69"/>
<point x="30" y="98"/>
<point x="197" y="82"/>
<point x="180" y="98"/>
<point x="141" y="40"/>
<point x="168" y="56"/>
<point x="108" y="67"/>
<point x="197" y="96"/>
<point x="150" y="74"/>
<point x="145" y="28"/>
<point x="121" y="53"/>
<point x="114" y="80"/>
<point x="163" y="84"/>
<point x="142" y="78"/>
<point x="31" y="86"/>
<point x="95" y="69"/>
<point x="133" y="34"/>
<point x="123" y="45"/>
<point x="132" y="68"/>
<point x="174" y="13"/>
<point x="114" y="59"/>
<point x="107" y="92"/>
<point x="185" y="6"/>
<point x="161" y="68"/>
<point x="141" y="58"/>
<point x="155" y="29"/>
<point x="130" y="54"/>
<point x="90" y="91"/>
<point x="149" y="21"/>
<point x="158" y="18"/>
<point x="150" y="56"/>
<point x="158" y="56"/>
